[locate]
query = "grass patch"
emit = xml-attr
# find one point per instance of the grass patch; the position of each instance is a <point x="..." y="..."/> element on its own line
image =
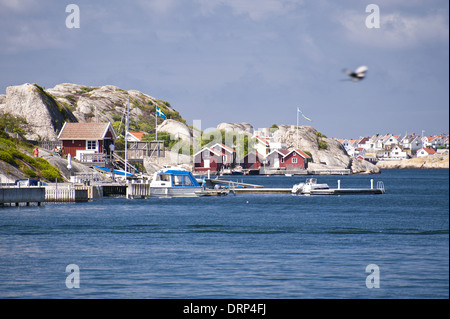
<point x="12" y="151"/>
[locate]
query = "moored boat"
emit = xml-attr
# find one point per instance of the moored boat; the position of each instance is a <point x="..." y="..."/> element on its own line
<point x="174" y="182"/>
<point x="307" y="186"/>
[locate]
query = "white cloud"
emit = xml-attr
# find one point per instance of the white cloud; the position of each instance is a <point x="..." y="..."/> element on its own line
<point x="158" y="6"/>
<point x="310" y="48"/>
<point x="18" y="5"/>
<point x="255" y="9"/>
<point x="27" y="37"/>
<point x="396" y="30"/>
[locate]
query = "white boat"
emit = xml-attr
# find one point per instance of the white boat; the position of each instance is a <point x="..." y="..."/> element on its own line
<point x="306" y="187"/>
<point x="175" y="182"/>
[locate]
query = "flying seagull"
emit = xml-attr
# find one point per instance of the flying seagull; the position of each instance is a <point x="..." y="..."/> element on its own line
<point x="358" y="74"/>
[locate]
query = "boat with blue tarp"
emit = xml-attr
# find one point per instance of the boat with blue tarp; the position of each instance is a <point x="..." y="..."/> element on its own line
<point x="175" y="182"/>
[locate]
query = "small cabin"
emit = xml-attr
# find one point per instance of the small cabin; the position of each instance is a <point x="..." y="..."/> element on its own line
<point x="86" y="138"/>
<point x="214" y="158"/>
<point x="208" y="159"/>
<point x="253" y="160"/>
<point x="285" y="159"/>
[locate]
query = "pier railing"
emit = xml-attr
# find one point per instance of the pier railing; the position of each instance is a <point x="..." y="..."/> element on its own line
<point x="66" y="195"/>
<point x="92" y="158"/>
<point x="138" y="190"/>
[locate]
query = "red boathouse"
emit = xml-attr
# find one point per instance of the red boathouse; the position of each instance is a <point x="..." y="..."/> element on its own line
<point x="82" y="138"/>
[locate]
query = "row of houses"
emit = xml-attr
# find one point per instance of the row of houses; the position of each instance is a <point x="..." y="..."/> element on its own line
<point x="87" y="139"/>
<point x="218" y="157"/>
<point x="389" y="146"/>
<point x="82" y="139"/>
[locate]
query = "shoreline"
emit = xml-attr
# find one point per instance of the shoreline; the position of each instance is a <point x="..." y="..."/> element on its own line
<point x="427" y="162"/>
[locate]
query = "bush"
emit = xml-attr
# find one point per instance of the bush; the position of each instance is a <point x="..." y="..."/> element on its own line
<point x="6" y="157"/>
<point x="323" y="145"/>
<point x="4" y="143"/>
<point x="51" y="175"/>
<point x="30" y="172"/>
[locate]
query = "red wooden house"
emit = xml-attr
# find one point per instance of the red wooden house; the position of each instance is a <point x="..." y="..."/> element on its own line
<point x="90" y="138"/>
<point x="214" y="158"/>
<point x="252" y="160"/>
<point x="287" y="159"/>
<point x="208" y="159"/>
<point x="228" y="154"/>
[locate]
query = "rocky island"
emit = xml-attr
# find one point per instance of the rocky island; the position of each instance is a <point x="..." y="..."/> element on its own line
<point x="46" y="110"/>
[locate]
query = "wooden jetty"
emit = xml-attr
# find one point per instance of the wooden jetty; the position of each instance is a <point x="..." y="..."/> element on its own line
<point x="262" y="190"/>
<point x="211" y="183"/>
<point x="330" y="191"/>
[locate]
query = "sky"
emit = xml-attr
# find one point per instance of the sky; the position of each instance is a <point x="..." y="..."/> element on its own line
<point x="252" y="61"/>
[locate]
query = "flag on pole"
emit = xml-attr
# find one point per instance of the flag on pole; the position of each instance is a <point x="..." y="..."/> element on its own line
<point x="160" y="113"/>
<point x="298" y="110"/>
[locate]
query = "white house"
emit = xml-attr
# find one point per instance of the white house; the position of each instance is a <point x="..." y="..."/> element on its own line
<point x="390" y="140"/>
<point x="433" y="141"/>
<point x="350" y="146"/>
<point x="135" y="136"/>
<point x="425" y="151"/>
<point x="262" y="145"/>
<point x="411" y="142"/>
<point x="364" y="143"/>
<point x="376" y="142"/>
<point x="398" y="153"/>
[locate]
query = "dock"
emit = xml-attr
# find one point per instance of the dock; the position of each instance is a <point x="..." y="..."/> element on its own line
<point x="330" y="191"/>
<point x="22" y="195"/>
<point x="262" y="190"/>
<point x="66" y="195"/>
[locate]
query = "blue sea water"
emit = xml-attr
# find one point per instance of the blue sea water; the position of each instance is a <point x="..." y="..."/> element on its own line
<point x="242" y="246"/>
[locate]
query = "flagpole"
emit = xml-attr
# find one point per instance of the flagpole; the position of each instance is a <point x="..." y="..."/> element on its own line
<point x="297" y="127"/>
<point x="156" y="129"/>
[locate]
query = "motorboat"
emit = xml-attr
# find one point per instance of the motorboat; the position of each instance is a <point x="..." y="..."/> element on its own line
<point x="174" y="182"/>
<point x="307" y="186"/>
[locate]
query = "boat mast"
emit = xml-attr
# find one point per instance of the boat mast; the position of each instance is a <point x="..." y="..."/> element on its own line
<point x="126" y="136"/>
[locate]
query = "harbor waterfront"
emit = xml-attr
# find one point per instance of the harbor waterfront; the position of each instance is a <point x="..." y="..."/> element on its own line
<point x="237" y="246"/>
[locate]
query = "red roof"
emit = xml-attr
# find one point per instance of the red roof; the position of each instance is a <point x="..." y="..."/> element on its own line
<point x="263" y="140"/>
<point x="285" y="153"/>
<point x="303" y="154"/>
<point x="138" y="135"/>
<point x="364" y="140"/>
<point x="223" y="147"/>
<point x="429" y="150"/>
<point x="85" y="131"/>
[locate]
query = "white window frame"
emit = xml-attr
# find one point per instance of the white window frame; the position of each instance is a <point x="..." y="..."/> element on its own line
<point x="89" y="147"/>
<point x="294" y="160"/>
